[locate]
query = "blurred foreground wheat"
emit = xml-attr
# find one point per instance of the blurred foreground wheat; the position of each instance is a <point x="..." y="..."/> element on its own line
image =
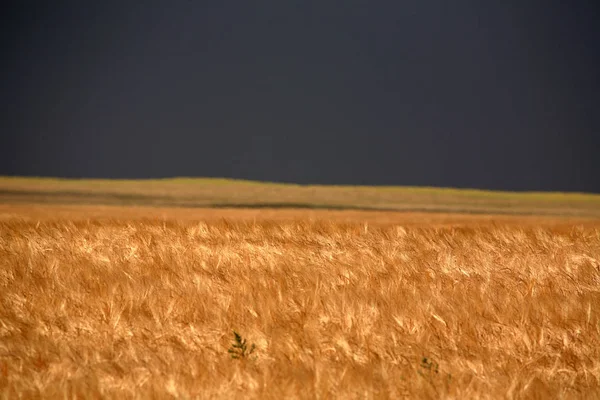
<point x="147" y="309"/>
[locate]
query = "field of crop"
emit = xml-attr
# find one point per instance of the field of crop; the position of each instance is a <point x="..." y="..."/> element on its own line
<point x="143" y="302"/>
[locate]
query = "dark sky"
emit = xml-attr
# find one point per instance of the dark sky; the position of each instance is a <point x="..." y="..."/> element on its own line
<point x="482" y="94"/>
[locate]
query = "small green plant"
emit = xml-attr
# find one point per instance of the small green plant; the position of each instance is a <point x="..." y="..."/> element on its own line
<point x="239" y="349"/>
<point x="429" y="370"/>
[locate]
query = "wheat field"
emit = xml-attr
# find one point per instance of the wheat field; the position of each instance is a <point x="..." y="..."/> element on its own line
<point x="354" y="307"/>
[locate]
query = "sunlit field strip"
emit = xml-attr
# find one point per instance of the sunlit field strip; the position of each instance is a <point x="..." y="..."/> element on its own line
<point x="235" y="193"/>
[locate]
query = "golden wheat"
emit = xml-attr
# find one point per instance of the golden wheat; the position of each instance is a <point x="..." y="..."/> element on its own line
<point x="147" y="308"/>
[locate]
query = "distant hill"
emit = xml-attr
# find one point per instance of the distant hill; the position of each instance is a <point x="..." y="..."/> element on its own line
<point x="210" y="192"/>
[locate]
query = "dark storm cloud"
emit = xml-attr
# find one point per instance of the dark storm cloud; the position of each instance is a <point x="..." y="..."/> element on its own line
<point x="466" y="94"/>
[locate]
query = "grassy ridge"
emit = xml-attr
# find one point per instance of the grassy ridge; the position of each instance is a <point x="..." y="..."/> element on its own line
<point x="211" y="192"/>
